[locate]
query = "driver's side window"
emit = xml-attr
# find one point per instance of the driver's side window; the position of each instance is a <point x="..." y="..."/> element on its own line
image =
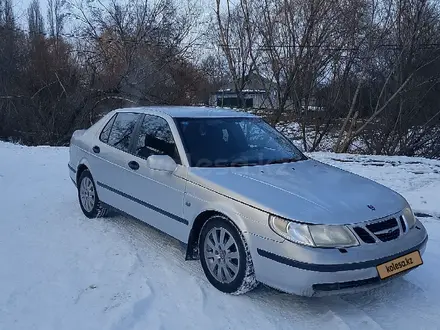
<point x="156" y="138"/>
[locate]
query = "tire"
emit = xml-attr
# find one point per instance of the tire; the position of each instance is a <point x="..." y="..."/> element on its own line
<point x="227" y="264"/>
<point x="88" y="198"/>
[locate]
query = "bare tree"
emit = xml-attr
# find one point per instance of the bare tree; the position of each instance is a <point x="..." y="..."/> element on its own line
<point x="132" y="45"/>
<point x="35" y="19"/>
<point x="297" y="41"/>
<point x="233" y="36"/>
<point x="395" y="60"/>
<point x="55" y="18"/>
<point x="364" y="73"/>
<point x="6" y="14"/>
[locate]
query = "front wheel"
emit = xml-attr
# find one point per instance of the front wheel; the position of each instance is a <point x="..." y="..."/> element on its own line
<point x="225" y="257"/>
<point x="90" y="204"/>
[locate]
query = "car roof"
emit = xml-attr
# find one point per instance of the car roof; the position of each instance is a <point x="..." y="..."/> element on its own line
<point x="189" y="111"/>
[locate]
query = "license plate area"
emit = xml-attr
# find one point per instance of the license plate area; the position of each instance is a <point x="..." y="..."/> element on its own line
<point x="399" y="265"/>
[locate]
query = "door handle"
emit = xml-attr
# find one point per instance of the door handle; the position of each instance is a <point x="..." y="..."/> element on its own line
<point x="96" y="149"/>
<point x="133" y="165"/>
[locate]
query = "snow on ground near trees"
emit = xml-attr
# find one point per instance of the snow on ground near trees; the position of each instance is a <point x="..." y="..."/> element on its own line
<point x="60" y="270"/>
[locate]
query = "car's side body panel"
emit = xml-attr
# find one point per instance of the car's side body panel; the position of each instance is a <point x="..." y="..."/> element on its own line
<point x="249" y="220"/>
<point x="81" y="144"/>
<point x="151" y="196"/>
<point x="154" y="197"/>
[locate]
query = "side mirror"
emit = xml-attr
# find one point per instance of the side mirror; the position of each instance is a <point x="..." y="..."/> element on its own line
<point x="161" y="163"/>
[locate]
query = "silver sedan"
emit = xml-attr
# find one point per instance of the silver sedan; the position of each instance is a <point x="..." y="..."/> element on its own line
<point x="245" y="201"/>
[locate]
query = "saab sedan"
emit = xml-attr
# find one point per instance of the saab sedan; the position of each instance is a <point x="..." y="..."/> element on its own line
<point x="245" y="201"/>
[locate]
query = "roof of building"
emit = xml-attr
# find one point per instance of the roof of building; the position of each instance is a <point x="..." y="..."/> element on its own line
<point x="253" y="84"/>
<point x="244" y="91"/>
<point x="189" y="111"/>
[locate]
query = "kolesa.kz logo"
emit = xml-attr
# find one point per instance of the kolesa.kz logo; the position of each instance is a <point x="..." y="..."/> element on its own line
<point x="402" y="264"/>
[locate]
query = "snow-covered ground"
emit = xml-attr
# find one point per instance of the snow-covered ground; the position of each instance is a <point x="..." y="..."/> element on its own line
<point x="292" y="130"/>
<point x="60" y="270"/>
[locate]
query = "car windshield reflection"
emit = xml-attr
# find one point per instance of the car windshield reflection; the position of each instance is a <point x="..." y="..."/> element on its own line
<point x="233" y="142"/>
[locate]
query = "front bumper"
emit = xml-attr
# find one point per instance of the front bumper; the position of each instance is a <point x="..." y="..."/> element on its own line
<point x="310" y="271"/>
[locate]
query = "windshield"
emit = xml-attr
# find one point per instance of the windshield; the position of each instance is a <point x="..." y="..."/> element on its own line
<point x="224" y="142"/>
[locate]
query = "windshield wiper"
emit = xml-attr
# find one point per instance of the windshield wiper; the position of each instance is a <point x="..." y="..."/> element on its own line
<point x="232" y="164"/>
<point x="243" y="164"/>
<point x="282" y="160"/>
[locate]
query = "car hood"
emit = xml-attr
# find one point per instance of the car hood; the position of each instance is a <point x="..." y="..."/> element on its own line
<point x="306" y="191"/>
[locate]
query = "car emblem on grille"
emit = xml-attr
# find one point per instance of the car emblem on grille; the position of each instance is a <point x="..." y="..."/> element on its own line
<point x="371" y="207"/>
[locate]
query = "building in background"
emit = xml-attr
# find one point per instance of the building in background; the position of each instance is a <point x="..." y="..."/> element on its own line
<point x="258" y="92"/>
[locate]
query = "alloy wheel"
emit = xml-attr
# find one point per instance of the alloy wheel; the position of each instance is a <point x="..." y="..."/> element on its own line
<point x="87" y="194"/>
<point x="221" y="255"/>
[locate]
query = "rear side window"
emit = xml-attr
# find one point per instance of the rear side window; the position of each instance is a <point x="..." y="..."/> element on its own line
<point x="122" y="130"/>
<point x="106" y="130"/>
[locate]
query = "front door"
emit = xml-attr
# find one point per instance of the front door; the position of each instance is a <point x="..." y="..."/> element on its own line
<point x="157" y="196"/>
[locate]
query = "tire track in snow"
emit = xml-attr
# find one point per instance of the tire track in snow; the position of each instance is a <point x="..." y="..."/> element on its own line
<point x="148" y="241"/>
<point x="139" y="311"/>
<point x="150" y="246"/>
<point x="334" y="321"/>
<point x="344" y="315"/>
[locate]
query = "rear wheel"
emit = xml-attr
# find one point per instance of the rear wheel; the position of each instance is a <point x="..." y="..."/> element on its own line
<point x="225" y="257"/>
<point x="90" y="204"/>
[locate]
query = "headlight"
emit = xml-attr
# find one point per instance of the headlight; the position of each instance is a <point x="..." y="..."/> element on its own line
<point x="332" y="236"/>
<point x="293" y="231"/>
<point x="313" y="235"/>
<point x="409" y="217"/>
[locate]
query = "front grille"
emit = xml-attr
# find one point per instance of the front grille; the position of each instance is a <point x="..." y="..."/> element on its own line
<point x="363" y="235"/>
<point x="381" y="230"/>
<point x="389" y="236"/>
<point x="382" y="225"/>
<point x="402" y="223"/>
<point x="385" y="230"/>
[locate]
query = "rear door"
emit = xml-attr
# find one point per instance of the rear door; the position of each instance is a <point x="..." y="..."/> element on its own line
<point x="111" y="170"/>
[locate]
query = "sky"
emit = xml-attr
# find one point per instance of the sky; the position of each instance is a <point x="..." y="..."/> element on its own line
<point x="20" y="9"/>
